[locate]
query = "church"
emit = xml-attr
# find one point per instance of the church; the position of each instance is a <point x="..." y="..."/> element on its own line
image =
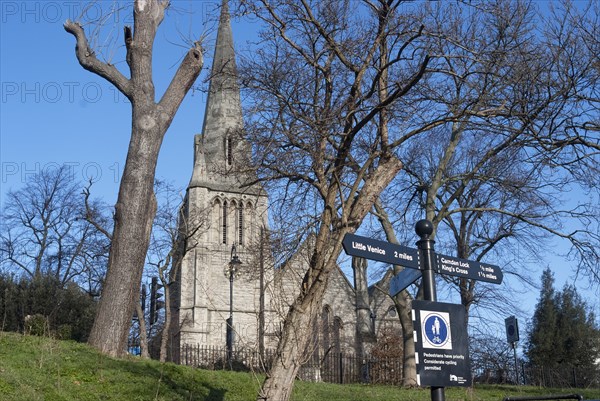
<point x="227" y="291"/>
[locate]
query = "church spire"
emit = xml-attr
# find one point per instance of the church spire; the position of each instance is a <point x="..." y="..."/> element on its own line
<point x="221" y="146"/>
<point x="223" y="108"/>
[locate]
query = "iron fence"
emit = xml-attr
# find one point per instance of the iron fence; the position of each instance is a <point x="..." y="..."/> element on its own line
<point x="330" y="367"/>
<point x="562" y="376"/>
<point x="347" y="368"/>
<point x="549" y="377"/>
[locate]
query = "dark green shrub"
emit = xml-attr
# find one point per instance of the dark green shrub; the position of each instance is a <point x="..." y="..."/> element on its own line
<point x="42" y="306"/>
<point x="36" y="325"/>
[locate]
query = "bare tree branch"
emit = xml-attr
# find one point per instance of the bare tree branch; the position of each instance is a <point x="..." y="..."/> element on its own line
<point x="88" y="60"/>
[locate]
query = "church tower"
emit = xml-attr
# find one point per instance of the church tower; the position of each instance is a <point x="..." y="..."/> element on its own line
<point x="224" y="215"/>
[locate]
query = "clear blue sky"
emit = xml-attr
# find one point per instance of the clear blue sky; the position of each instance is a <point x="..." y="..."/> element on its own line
<point x="53" y="112"/>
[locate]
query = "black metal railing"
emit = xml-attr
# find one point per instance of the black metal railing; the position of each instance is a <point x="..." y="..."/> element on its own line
<point x="332" y="367"/>
<point x="345" y="368"/>
<point x="564" y="376"/>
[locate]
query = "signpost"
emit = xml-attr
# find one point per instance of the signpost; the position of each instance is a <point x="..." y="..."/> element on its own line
<point x="399" y="255"/>
<point x="402" y="280"/>
<point x="468" y="269"/>
<point x="381" y="251"/>
<point x="424" y="229"/>
<point x="442" y="345"/>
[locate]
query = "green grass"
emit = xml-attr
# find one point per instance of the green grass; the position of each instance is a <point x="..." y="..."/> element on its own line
<point x="35" y="368"/>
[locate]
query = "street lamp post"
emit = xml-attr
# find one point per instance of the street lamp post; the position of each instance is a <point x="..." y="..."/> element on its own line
<point x="230" y="271"/>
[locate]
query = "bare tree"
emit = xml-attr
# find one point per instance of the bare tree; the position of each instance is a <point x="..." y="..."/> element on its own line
<point x="136" y="204"/>
<point x="493" y="180"/>
<point x="320" y="87"/>
<point x="44" y="231"/>
<point x="500" y="174"/>
<point x="459" y="92"/>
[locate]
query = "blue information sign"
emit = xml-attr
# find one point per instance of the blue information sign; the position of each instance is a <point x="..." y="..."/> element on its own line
<point x="441" y="344"/>
<point x="373" y="249"/>
<point x="468" y="268"/>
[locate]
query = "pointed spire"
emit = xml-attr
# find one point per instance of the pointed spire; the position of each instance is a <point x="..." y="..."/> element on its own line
<point x="221" y="149"/>
<point x="223" y="107"/>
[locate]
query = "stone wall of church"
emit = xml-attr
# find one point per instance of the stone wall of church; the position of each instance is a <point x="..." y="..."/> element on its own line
<point x="335" y="328"/>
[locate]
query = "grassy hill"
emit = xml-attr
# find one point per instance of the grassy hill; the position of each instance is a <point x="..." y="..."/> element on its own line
<point x="35" y="368"/>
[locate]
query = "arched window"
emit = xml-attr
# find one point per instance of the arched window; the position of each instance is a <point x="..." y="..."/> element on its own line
<point x="240" y="224"/>
<point x="337" y="335"/>
<point x="325" y="328"/>
<point x="217" y="215"/>
<point x="391" y="313"/>
<point x="250" y="223"/>
<point x="229" y="151"/>
<point x="224" y="222"/>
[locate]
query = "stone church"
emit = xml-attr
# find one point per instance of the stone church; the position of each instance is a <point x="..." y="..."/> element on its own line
<point x="225" y="218"/>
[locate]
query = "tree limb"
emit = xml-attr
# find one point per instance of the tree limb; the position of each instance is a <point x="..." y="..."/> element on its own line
<point x="184" y="78"/>
<point x="89" y="214"/>
<point x="88" y="60"/>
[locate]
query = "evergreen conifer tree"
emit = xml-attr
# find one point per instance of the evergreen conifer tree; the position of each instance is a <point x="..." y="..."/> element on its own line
<point x="542" y="336"/>
<point x="564" y="334"/>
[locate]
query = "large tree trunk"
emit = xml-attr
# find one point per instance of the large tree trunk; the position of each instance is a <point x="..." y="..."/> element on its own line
<point x="295" y="338"/>
<point x="134" y="212"/>
<point x="136" y="204"/>
<point x="365" y="327"/>
<point x="328" y="246"/>
<point x="409" y="364"/>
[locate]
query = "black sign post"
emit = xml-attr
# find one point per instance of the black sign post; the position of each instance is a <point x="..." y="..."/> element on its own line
<point x="424" y="229"/>
<point x="425" y="261"/>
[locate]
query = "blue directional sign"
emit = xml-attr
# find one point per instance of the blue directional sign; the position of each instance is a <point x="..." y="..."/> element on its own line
<point x="387" y="252"/>
<point x="468" y="269"/>
<point x="402" y="280"/>
<point x="399" y="255"/>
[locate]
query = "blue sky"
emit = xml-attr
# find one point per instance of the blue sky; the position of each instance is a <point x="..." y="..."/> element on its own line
<point x="53" y="112"/>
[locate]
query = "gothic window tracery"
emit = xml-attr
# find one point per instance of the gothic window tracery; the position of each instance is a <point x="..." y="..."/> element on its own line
<point x="250" y="224"/>
<point x="232" y="220"/>
<point x="216" y="219"/>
